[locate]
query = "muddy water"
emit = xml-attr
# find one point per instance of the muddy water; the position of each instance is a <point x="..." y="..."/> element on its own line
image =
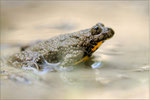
<point x="124" y="70"/>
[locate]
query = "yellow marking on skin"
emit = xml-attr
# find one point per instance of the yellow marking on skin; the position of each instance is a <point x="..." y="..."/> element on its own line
<point x="87" y="57"/>
<point x="83" y="59"/>
<point x="98" y="44"/>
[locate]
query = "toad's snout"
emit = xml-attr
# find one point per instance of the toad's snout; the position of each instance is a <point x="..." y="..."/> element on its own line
<point x="109" y="32"/>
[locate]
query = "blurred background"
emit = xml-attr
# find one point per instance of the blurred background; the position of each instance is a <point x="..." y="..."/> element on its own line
<point x="124" y="74"/>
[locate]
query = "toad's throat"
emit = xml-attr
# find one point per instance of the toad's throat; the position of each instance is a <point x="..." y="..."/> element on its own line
<point x="96" y="46"/>
<point x="93" y="49"/>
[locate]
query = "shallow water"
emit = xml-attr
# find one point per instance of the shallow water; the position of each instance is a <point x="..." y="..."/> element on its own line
<point x="124" y="71"/>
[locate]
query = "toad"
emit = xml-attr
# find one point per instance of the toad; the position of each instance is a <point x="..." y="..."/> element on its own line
<point x="63" y="50"/>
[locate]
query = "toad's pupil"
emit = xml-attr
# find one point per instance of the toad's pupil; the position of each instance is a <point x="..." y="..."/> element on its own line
<point x="96" y="27"/>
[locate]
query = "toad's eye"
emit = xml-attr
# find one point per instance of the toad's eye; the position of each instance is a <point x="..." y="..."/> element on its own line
<point x="96" y="30"/>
